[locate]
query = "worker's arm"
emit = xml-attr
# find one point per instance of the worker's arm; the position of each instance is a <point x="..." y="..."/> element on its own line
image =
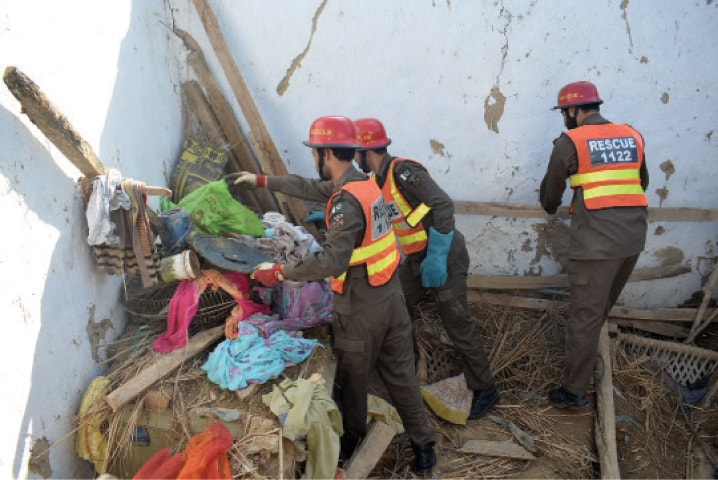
<point x="418" y="187"/>
<point x="345" y="231"/>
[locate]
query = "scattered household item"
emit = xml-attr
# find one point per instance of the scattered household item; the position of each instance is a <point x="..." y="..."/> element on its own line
<point x="198" y="165"/>
<point x="174" y="228"/>
<point x="183" y="266"/>
<point x="449" y="399"/>
<point x="231" y="254"/>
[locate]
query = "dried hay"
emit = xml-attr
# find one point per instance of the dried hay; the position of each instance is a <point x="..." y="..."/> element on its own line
<point x="654" y="436"/>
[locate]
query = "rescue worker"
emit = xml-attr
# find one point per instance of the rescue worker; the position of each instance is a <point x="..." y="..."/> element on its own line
<point x="437" y="260"/>
<point x="371" y="326"/>
<point x="605" y="165"/>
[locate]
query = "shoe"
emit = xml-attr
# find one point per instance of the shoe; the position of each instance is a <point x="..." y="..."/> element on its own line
<point x="564" y="399"/>
<point x="483" y="401"/>
<point x="425" y="458"/>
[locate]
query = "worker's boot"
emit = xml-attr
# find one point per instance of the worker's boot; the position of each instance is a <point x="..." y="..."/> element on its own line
<point x="425" y="458"/>
<point x="562" y="398"/>
<point x="483" y="401"/>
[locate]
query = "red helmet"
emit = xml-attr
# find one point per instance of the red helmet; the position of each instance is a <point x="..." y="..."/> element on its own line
<point x="371" y="134"/>
<point x="332" y="131"/>
<point x="578" y="93"/>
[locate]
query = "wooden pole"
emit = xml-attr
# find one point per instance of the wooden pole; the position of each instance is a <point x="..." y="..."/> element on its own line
<point x="163" y="366"/>
<point x="707" y="294"/>
<point x="606" y="419"/>
<point x="56" y="127"/>
<point x="269" y="158"/>
<point x="230" y="127"/>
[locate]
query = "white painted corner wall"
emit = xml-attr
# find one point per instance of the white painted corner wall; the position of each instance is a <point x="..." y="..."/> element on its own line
<point x="464" y="87"/>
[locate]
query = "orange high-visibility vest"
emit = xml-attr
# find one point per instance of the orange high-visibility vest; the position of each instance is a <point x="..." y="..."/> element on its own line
<point x="609" y="162"/>
<point x="405" y="220"/>
<point x="378" y="250"/>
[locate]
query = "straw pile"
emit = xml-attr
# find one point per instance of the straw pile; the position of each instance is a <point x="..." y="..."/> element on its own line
<point x="656" y="435"/>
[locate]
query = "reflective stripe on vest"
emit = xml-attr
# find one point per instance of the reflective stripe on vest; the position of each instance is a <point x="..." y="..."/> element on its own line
<point x="406" y="221"/>
<point x="609" y="161"/>
<point x="378" y="250"/>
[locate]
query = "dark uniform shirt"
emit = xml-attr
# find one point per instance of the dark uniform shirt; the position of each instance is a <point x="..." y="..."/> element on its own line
<point x="595" y="234"/>
<point x="345" y="232"/>
<point x="417" y="186"/>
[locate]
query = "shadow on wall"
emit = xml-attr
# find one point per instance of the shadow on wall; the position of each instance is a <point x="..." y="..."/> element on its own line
<point x="68" y="320"/>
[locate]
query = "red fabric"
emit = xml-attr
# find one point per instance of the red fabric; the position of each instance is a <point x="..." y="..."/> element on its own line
<point x="161" y="466"/>
<point x="204" y="458"/>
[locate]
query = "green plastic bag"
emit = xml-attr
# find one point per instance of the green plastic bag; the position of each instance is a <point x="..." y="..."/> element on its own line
<point x="214" y="212"/>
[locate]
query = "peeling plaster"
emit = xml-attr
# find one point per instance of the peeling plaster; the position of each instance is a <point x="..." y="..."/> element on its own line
<point x="552" y="242"/>
<point x="669" y="256"/>
<point x="660" y="230"/>
<point x="39" y="462"/>
<point x="297" y="62"/>
<point x="662" y="195"/>
<point x="96" y="332"/>
<point x="709" y="135"/>
<point x="668" y="168"/>
<point x="665" y="97"/>
<point x="644" y="59"/>
<point x="494" y="111"/>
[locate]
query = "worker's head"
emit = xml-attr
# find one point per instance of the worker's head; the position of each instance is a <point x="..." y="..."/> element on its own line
<point x="574" y="97"/>
<point x="333" y="132"/>
<point x="370" y="136"/>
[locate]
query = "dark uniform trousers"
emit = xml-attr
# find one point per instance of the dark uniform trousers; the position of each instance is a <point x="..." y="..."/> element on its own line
<point x="381" y="335"/>
<point x="595" y="286"/>
<point x="453" y="309"/>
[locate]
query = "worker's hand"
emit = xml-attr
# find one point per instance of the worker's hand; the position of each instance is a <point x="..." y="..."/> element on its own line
<point x="245" y="181"/>
<point x="433" y="267"/>
<point x="268" y="274"/>
<point x="553" y="220"/>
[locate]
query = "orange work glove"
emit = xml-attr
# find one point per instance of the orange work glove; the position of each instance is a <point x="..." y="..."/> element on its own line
<point x="268" y="274"/>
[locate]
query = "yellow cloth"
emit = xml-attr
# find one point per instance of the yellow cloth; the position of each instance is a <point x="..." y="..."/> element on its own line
<point x="90" y="444"/>
<point x="380" y="409"/>
<point x="309" y="412"/>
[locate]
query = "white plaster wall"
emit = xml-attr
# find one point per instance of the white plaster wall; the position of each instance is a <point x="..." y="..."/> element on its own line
<point x="111" y="68"/>
<point x="431" y="70"/>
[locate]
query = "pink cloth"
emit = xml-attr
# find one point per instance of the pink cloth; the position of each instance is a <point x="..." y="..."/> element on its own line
<point x="183" y="306"/>
<point x="185" y="302"/>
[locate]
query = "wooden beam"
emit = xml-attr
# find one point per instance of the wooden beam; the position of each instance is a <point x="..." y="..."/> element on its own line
<point x="518" y="282"/>
<point x="162" y="366"/>
<point x="680" y="315"/>
<point x="267" y="154"/>
<point x="229" y="125"/>
<point x="523" y="210"/>
<point x="496" y="448"/>
<point x="606" y="419"/>
<point x="208" y="121"/>
<point x="370" y="450"/>
<point x="56" y="127"/>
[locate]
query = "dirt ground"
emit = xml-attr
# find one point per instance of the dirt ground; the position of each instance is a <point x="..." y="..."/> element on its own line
<point x="657" y="436"/>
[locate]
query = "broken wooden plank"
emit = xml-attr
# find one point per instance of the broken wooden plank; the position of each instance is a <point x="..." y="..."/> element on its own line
<point x="707" y="294"/>
<point x="229" y="125"/>
<point x="605" y="423"/>
<point x="522" y="437"/>
<point x="666" y="329"/>
<point x="534" y="282"/>
<point x="617" y="312"/>
<point x="267" y="154"/>
<point x="56" y="127"/>
<point x="163" y="366"/>
<point x="520" y="210"/>
<point x="494" y="448"/>
<point x="370" y="450"/>
<point x="209" y="123"/>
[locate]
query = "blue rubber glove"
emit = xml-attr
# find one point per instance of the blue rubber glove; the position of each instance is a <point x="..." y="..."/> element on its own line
<point x="315" y="216"/>
<point x="433" y="267"/>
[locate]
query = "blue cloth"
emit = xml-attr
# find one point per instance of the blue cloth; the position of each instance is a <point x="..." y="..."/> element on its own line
<point x="249" y="358"/>
<point x="433" y="267"/>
